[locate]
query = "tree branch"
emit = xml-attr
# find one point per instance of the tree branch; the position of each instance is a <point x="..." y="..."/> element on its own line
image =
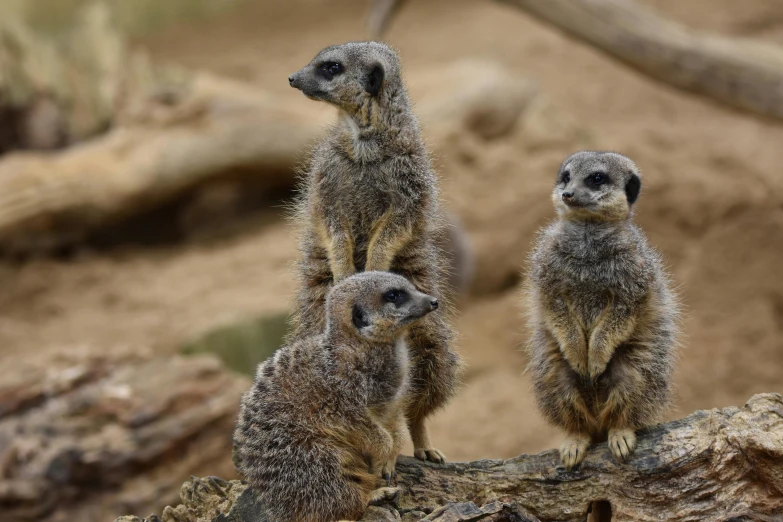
<point x="712" y="465"/>
<point x="740" y="72"/>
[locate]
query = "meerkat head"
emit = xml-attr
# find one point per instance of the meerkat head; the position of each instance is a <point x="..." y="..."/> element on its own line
<point x="377" y="306"/>
<point x="596" y="186"/>
<point x="348" y="75"/>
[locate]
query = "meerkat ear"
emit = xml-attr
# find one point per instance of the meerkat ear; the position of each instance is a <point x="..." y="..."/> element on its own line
<point x="632" y="189"/>
<point x="360" y="319"/>
<point x="374" y="80"/>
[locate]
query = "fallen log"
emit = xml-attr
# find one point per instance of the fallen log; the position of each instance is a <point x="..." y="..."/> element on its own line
<point x="740" y="72"/>
<point x="716" y="465"/>
<point x="82" y="438"/>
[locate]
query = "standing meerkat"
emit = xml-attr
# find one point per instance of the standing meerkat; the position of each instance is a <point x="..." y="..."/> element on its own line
<point x="326" y="413"/>
<point x="603" y="318"/>
<point x="370" y="203"/>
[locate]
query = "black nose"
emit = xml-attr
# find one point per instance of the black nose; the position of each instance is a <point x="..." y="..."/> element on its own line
<point x="291" y="81"/>
<point x="567" y="195"/>
<point x="434" y="304"/>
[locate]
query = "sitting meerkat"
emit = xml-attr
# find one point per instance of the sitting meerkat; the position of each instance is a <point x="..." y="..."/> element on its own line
<point x="602" y="316"/>
<point x="370" y="203"/>
<point x="326" y="413"/>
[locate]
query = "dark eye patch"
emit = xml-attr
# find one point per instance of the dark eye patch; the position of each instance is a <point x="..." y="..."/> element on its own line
<point x="396" y="296"/>
<point x="565" y="177"/>
<point x="330" y="69"/>
<point x="359" y="317"/>
<point x="595" y="179"/>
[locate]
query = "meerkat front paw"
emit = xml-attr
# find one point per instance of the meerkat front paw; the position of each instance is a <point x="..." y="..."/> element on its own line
<point x="622" y="443"/>
<point x="578" y="364"/>
<point x="573" y="450"/>
<point x="596" y="367"/>
<point x="381" y="495"/>
<point x="430" y="454"/>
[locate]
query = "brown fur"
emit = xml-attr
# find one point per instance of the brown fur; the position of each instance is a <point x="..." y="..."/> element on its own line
<point x="370" y="202"/>
<point x="603" y="318"/>
<point x="325" y="415"/>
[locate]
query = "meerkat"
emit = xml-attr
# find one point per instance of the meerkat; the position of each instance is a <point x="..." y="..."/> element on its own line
<point x="325" y="415"/>
<point x="603" y="318"/>
<point x="370" y="203"/>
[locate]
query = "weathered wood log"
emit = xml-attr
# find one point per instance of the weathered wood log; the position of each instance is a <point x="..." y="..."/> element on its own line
<point x="740" y="72"/>
<point x="164" y="148"/>
<point x="82" y="438"/>
<point x="169" y="145"/>
<point x="716" y="465"/>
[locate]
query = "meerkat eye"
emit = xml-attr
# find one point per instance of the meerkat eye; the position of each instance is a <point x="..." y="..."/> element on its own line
<point x="596" y="179"/>
<point x="565" y="177"/>
<point x="395" y="296"/>
<point x="330" y="69"/>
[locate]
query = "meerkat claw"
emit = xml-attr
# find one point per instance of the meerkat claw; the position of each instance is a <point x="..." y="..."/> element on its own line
<point x="430" y="454"/>
<point x="389" y="471"/>
<point x="573" y="451"/>
<point x="381" y="495"/>
<point x="388" y="475"/>
<point x="622" y="443"/>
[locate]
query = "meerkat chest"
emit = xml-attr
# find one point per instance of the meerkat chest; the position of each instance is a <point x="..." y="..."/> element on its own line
<point x="390" y="384"/>
<point x="589" y="285"/>
<point x="363" y="189"/>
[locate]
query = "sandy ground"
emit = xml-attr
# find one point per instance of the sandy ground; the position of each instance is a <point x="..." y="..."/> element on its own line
<point x="711" y="202"/>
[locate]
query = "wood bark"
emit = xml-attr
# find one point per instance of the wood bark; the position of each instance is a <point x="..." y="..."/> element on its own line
<point x="740" y="72"/>
<point x="716" y="465"/>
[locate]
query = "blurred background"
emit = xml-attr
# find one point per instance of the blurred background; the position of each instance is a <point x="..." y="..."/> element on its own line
<point x="148" y="152"/>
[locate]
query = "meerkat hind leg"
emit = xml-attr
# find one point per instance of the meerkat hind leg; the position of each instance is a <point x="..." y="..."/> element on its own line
<point x="574" y="449"/>
<point x="622" y="442"/>
<point x="422" y="449"/>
